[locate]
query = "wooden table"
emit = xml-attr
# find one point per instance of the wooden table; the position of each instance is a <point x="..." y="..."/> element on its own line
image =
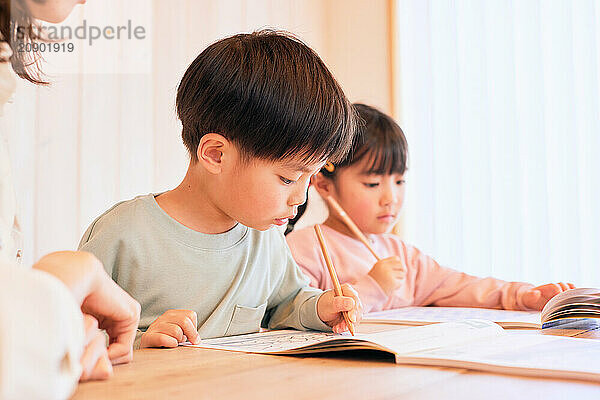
<point x="190" y="373"/>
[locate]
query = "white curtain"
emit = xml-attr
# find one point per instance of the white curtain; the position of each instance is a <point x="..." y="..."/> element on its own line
<point x="499" y="101"/>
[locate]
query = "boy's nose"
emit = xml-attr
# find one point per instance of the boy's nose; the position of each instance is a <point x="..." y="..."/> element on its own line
<point x="298" y="198"/>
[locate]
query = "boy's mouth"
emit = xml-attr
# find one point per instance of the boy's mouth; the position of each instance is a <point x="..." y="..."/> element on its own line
<point x="284" y="220"/>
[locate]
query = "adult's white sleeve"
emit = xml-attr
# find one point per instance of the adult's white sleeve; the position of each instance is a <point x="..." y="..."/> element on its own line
<point x="41" y="335"/>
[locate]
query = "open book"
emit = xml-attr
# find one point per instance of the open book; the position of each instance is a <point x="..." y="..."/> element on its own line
<point x="432" y="315"/>
<point x="472" y="344"/>
<point x="572" y="304"/>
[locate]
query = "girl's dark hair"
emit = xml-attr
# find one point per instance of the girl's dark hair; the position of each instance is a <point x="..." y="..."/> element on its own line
<point x="19" y="30"/>
<point x="379" y="140"/>
<point x="270" y="94"/>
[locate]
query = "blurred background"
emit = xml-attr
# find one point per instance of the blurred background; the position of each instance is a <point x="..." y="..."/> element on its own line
<point x="499" y="101"/>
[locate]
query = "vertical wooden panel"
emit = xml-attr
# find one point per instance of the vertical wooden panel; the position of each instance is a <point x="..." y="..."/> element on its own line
<point x="136" y="144"/>
<point x="169" y="61"/>
<point x="100" y="116"/>
<point x="19" y="123"/>
<point x="57" y="151"/>
<point x="359" y="57"/>
<point x="258" y="15"/>
<point x="105" y="132"/>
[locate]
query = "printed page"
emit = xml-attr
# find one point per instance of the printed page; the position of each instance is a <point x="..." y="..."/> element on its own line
<point x="404" y="339"/>
<point x="523" y="354"/>
<point x="427" y="315"/>
<point x="429" y="337"/>
<point x="269" y="342"/>
<point x="579" y="299"/>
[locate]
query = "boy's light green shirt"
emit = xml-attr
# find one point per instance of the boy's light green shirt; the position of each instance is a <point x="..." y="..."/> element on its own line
<point x="233" y="280"/>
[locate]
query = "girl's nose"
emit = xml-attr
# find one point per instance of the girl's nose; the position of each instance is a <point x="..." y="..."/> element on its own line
<point x="389" y="196"/>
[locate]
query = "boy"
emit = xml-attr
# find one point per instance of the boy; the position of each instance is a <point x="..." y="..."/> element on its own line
<point x="260" y="113"/>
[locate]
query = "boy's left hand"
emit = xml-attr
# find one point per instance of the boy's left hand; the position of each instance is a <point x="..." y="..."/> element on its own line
<point x="330" y="307"/>
<point x="536" y="298"/>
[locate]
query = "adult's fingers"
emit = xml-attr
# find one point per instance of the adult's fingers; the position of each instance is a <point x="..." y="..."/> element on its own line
<point x="94" y="350"/>
<point x="103" y="369"/>
<point x="90" y="325"/>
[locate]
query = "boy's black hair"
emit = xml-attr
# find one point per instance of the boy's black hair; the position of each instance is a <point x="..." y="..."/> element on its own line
<point x="379" y="138"/>
<point x="268" y="93"/>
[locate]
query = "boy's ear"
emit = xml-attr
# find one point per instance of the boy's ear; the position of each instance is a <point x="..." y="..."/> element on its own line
<point x="212" y="150"/>
<point x="322" y="184"/>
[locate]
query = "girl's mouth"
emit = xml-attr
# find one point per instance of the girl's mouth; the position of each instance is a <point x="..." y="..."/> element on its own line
<point x="386" y="218"/>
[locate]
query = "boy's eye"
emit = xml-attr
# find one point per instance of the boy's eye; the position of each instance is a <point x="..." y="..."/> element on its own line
<point x="286" y="181"/>
<point x="400" y="182"/>
<point x="371" y="185"/>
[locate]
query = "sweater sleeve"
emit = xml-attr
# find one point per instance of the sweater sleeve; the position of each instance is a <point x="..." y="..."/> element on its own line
<point x="441" y="286"/>
<point x="41" y="336"/>
<point x="294" y="302"/>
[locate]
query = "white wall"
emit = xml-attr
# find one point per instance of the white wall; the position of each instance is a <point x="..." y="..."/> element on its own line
<point x="106" y="129"/>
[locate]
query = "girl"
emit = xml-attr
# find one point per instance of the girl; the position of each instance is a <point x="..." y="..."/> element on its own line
<point x="369" y="185"/>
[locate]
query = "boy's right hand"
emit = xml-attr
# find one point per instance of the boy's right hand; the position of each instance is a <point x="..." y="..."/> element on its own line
<point x="389" y="273"/>
<point x="172" y="328"/>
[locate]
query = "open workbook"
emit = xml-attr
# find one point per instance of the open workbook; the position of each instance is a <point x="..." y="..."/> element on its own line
<point x="572" y="304"/>
<point x="431" y="315"/>
<point x="472" y="344"/>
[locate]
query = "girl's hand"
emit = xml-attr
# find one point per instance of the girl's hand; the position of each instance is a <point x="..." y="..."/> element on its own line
<point x="389" y="273"/>
<point x="330" y="308"/>
<point x="536" y="298"/>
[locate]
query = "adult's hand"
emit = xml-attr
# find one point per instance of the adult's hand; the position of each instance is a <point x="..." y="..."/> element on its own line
<point x="99" y="296"/>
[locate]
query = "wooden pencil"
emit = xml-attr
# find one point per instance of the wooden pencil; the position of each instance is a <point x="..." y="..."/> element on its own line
<point x="337" y="289"/>
<point x="351" y="225"/>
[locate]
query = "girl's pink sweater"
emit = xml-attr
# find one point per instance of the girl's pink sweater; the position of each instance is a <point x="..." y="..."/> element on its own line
<point x="427" y="283"/>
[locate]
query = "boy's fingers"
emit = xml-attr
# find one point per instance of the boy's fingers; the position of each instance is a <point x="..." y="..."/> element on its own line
<point x="571" y="286"/>
<point x="343" y="303"/>
<point x="157" y="339"/>
<point x="190" y="330"/>
<point x="342" y="326"/>
<point x="563" y="286"/>
<point x="170" y="329"/>
<point x="179" y="316"/>
<point x="187" y="320"/>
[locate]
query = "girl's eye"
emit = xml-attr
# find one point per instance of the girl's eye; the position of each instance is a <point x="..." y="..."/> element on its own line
<point x="286" y="181"/>
<point x="400" y="182"/>
<point x="371" y="185"/>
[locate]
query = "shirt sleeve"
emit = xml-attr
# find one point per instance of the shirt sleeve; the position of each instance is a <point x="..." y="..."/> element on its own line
<point x="307" y="254"/>
<point x="102" y="241"/>
<point x="441" y="286"/>
<point x="41" y="336"/>
<point x="294" y="303"/>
